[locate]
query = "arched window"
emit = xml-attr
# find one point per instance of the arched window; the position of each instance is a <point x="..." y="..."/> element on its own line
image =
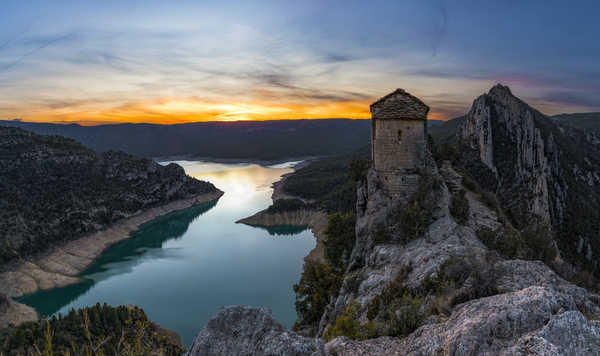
<point x="399" y="135"/>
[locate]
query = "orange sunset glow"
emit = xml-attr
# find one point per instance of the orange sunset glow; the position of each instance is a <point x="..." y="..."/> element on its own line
<point x="173" y="111"/>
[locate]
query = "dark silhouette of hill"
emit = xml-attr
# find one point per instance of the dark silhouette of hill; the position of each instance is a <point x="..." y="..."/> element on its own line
<point x="248" y="140"/>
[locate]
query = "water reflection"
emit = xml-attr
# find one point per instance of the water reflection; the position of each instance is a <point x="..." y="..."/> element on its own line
<point x="284" y="230"/>
<point x="183" y="267"/>
<point x="148" y="240"/>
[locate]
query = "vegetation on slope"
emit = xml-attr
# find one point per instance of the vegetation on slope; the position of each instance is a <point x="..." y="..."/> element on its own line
<point x="98" y="330"/>
<point x="330" y="182"/>
<point x="53" y="189"/>
<point x="321" y="280"/>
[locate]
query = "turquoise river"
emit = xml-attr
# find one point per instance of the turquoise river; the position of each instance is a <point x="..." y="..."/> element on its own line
<point x="182" y="267"/>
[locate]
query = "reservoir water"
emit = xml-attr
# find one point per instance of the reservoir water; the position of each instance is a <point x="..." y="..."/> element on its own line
<point x="182" y="267"/>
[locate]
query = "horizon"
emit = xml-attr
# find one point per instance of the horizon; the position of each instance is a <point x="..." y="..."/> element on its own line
<point x="91" y="64"/>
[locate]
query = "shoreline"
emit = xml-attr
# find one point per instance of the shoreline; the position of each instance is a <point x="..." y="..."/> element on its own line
<point x="61" y="265"/>
<point x="264" y="163"/>
<point x="316" y="220"/>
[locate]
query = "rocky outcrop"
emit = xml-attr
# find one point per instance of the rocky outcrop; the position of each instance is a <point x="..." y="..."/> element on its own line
<point x="506" y="133"/>
<point x="540" y="170"/>
<point x="240" y="330"/>
<point x="418" y="268"/>
<point x="532" y="321"/>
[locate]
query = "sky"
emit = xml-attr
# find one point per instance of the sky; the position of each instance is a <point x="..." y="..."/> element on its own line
<point x="200" y="60"/>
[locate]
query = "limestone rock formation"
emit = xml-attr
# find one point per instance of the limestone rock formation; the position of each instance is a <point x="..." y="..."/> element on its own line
<point x="240" y="330"/>
<point x="428" y="279"/>
<point x="539" y="169"/>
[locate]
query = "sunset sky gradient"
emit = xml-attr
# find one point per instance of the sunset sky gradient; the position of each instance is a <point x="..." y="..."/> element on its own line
<point x="183" y="61"/>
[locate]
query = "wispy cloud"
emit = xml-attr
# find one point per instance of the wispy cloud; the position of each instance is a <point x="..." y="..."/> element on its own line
<point x="93" y="62"/>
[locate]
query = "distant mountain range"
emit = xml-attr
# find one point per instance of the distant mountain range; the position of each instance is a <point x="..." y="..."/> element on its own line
<point x="247" y="140"/>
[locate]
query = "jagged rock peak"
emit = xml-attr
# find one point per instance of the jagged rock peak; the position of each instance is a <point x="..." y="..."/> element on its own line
<point x="500" y="90"/>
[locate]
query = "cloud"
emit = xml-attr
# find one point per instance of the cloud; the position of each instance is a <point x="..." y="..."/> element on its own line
<point x="573" y="98"/>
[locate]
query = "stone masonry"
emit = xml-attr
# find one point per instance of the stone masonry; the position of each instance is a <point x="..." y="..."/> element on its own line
<point x="398" y="131"/>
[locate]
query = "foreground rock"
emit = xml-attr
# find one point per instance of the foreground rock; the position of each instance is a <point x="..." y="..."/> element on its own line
<point x="242" y="330"/>
<point x="532" y="321"/>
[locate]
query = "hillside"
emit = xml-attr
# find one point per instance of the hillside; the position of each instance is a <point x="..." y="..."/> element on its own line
<point x="244" y="140"/>
<point x="489" y="256"/>
<point x="97" y="330"/>
<point x="583" y="121"/>
<point x="53" y="190"/>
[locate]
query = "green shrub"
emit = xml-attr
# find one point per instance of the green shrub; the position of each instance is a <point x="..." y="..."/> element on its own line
<point x="358" y="168"/>
<point x="346" y="324"/>
<point x="283" y="205"/>
<point x="413" y="218"/>
<point x="318" y="283"/>
<point x="469" y="183"/>
<point x="353" y="283"/>
<point x="507" y="242"/>
<point x="538" y="239"/>
<point x="339" y="239"/>
<point x="381" y="235"/>
<point x="489" y="199"/>
<point x="459" y="207"/>
<point x="373" y="307"/>
<point x="102" y="329"/>
<point x="535" y="242"/>
<point x="448" y="284"/>
<point x="407" y="318"/>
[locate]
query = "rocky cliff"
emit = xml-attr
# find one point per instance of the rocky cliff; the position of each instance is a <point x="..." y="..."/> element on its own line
<point x="538" y="169"/>
<point x="462" y="267"/>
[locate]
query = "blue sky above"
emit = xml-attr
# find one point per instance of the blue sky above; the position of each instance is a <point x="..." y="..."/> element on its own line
<point x="171" y="61"/>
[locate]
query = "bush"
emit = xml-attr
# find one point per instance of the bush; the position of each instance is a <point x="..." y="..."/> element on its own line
<point x="538" y="239"/>
<point x="358" y="169"/>
<point x="283" y="205"/>
<point x="381" y="235"/>
<point x="470" y="184"/>
<point x="533" y="243"/>
<point x="459" y="207"/>
<point x="318" y="283"/>
<point x="352" y="283"/>
<point x="413" y="218"/>
<point x="507" y="242"/>
<point x="339" y="239"/>
<point x="101" y="328"/>
<point x="449" y="284"/>
<point x="346" y="324"/>
<point x="489" y="199"/>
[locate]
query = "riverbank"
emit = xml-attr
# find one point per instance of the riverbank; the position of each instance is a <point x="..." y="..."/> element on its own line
<point x="316" y="220"/>
<point x="61" y="266"/>
<point x="264" y="163"/>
